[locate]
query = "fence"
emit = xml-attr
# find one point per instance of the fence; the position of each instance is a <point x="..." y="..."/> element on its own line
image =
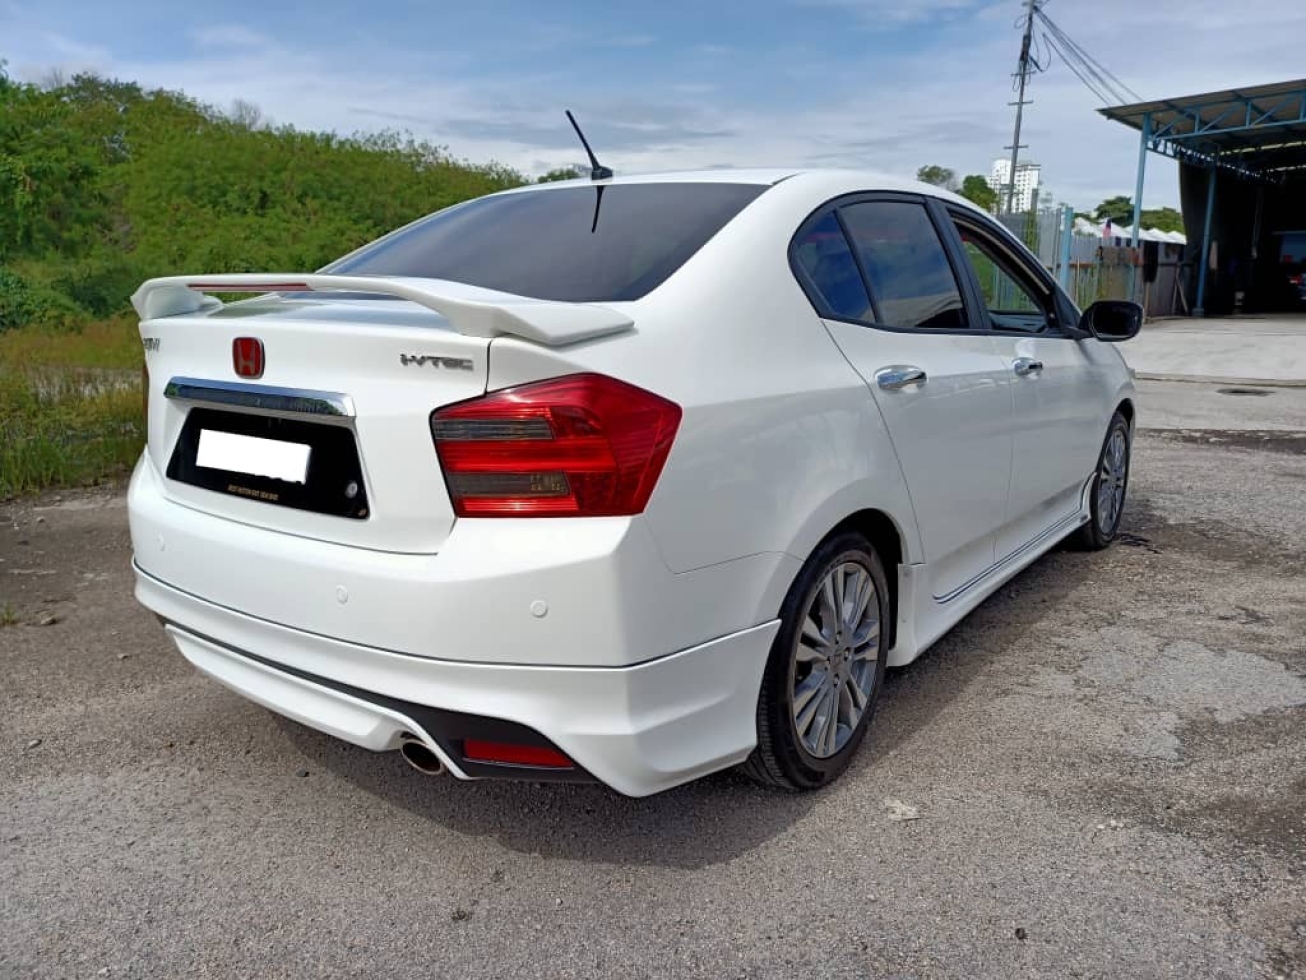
<point x="1090" y="268"/>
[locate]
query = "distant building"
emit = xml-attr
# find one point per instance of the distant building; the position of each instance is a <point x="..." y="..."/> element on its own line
<point x="1027" y="183"/>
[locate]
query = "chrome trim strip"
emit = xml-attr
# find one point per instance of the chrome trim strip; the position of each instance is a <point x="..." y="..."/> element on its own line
<point x="292" y="401"/>
<point x="1063" y="526"/>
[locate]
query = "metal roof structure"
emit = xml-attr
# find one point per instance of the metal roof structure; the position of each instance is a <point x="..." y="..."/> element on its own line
<point x="1256" y="133"/>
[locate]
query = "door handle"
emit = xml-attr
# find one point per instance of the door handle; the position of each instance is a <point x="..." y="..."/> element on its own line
<point x="1026" y="365"/>
<point x="899" y="376"/>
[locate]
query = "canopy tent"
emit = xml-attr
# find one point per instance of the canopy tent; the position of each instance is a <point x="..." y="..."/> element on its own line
<point x="1084" y="227"/>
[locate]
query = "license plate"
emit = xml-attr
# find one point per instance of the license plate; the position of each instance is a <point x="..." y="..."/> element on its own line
<point x="307" y="465"/>
<point x="253" y="456"/>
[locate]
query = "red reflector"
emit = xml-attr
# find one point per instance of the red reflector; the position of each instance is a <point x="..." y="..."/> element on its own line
<point x="516" y="755"/>
<point x="584" y="445"/>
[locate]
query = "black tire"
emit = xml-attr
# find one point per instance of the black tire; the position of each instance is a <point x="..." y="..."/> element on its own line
<point x="781" y="759"/>
<point x="1098" y="533"/>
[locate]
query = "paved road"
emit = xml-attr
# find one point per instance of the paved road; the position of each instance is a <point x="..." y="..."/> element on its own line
<point x="1106" y="757"/>
<point x="1268" y="349"/>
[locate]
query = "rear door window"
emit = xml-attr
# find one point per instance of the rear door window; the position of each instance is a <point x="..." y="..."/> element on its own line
<point x="911" y="280"/>
<point x="597" y="243"/>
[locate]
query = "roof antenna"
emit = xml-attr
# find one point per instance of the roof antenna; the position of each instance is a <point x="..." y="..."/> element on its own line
<point x="597" y="170"/>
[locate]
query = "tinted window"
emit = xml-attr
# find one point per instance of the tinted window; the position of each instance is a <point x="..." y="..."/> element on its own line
<point x="911" y="280"/>
<point x="823" y="253"/>
<point x="578" y="244"/>
<point x="1013" y="303"/>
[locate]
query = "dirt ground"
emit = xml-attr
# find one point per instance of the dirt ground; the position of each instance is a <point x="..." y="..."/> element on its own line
<point x="1107" y="761"/>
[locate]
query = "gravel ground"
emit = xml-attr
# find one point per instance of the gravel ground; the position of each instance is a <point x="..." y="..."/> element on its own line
<point x="1105" y="763"/>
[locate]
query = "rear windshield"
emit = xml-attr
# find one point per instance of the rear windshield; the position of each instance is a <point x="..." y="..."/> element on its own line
<point x="577" y="244"/>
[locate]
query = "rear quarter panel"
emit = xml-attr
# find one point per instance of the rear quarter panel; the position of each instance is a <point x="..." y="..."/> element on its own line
<point x="780" y="439"/>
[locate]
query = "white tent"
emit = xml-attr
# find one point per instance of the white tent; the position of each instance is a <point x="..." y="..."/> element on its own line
<point x="1125" y="233"/>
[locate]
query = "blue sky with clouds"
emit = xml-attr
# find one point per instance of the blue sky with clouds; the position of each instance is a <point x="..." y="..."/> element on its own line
<point x="868" y="83"/>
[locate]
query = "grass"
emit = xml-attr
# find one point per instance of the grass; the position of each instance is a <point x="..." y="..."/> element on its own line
<point x="8" y="617"/>
<point x="70" y="405"/>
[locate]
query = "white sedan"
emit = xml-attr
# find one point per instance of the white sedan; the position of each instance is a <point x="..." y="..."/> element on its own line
<point x="627" y="480"/>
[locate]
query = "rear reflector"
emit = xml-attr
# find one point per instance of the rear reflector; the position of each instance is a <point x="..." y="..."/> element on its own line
<point x="515" y="755"/>
<point x="580" y="446"/>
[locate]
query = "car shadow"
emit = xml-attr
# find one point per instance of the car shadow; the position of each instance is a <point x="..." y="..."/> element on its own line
<point x="721" y="817"/>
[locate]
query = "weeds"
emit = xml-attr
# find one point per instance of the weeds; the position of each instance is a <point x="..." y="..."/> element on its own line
<point x="70" y="406"/>
<point x="8" y="617"/>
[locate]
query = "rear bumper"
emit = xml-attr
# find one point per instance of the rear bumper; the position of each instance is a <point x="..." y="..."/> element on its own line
<point x="576" y="592"/>
<point x="639" y="729"/>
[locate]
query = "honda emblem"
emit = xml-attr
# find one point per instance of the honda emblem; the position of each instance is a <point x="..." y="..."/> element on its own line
<point x="247" y="357"/>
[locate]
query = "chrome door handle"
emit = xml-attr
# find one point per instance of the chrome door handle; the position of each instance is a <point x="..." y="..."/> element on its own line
<point x="899" y="376"/>
<point x="1026" y="365"/>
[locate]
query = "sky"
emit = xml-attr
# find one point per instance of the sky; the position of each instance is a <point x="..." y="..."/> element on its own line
<point x="677" y="84"/>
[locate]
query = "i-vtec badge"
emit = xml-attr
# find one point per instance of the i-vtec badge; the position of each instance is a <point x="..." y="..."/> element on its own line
<point x="448" y="363"/>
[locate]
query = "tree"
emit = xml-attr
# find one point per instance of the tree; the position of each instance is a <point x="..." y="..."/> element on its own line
<point x="975" y="188"/>
<point x="1162" y="219"/>
<point x="561" y="173"/>
<point x="1119" y="209"/>
<point x="932" y="173"/>
<point x="247" y="115"/>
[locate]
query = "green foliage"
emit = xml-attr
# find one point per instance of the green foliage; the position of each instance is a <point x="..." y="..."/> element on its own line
<point x="1162" y="219"/>
<point x="938" y="176"/>
<point x="1119" y="209"/>
<point x="562" y="173"/>
<point x="66" y="427"/>
<point x="24" y="302"/>
<point x="104" y="184"/>
<point x="975" y="188"/>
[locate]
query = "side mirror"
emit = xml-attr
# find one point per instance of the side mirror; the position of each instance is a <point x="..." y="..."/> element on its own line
<point x="1112" y="320"/>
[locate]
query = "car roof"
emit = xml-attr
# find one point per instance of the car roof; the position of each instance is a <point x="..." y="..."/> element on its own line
<point x="833" y="181"/>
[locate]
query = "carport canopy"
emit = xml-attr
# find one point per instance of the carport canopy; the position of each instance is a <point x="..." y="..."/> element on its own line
<point x="1256" y="133"/>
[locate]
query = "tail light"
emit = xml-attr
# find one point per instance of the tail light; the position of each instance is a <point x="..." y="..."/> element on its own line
<point x="582" y="446"/>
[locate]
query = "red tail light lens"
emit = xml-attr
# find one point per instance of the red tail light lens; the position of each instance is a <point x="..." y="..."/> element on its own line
<point x="515" y="755"/>
<point x="584" y="445"/>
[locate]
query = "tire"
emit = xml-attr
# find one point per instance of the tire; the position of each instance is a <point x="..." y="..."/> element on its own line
<point x="793" y="754"/>
<point x="1106" y="506"/>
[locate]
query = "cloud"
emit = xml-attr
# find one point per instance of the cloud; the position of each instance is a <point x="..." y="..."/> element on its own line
<point x="887" y="14"/>
<point x="228" y="36"/>
<point x="819" y="89"/>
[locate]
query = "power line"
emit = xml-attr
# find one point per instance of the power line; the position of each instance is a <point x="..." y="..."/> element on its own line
<point x="1099" y="79"/>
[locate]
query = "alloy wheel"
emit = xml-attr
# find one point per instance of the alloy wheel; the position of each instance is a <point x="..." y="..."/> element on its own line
<point x="1111" y="481"/>
<point x="833" y="669"/>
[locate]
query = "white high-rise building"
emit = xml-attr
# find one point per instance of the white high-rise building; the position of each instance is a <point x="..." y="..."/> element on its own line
<point x="1027" y="181"/>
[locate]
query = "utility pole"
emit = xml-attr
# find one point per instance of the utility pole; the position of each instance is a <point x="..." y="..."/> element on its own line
<point x="1022" y="74"/>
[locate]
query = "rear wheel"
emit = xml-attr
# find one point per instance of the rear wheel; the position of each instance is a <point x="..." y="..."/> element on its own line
<point x="1107" y="494"/>
<point x="826" y="667"/>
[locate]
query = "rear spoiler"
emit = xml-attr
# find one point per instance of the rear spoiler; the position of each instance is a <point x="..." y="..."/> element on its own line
<point x="471" y="310"/>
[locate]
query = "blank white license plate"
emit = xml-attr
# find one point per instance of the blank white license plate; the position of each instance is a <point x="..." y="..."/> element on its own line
<point x="253" y="456"/>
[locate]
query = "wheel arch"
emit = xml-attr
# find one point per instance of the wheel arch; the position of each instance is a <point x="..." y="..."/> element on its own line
<point x="889" y="540"/>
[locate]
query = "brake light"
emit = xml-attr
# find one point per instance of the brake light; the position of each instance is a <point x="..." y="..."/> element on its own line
<point x="475" y="750"/>
<point x="581" y="446"/>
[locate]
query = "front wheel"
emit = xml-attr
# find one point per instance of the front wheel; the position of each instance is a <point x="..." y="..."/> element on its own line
<point x="1107" y="494"/>
<point x="826" y="667"/>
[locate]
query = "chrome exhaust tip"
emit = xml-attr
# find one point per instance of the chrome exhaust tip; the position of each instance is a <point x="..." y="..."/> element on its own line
<point x="421" y="758"/>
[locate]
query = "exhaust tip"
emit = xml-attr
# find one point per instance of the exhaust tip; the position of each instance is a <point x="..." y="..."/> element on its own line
<point x="421" y="758"/>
